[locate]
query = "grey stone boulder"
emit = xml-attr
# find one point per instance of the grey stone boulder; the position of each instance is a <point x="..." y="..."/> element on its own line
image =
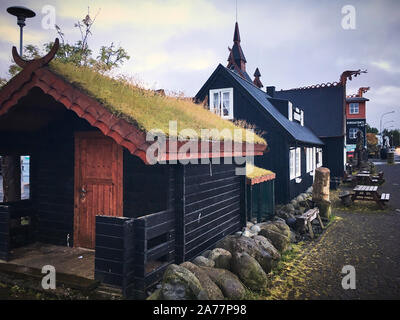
<point x="249" y="224"/>
<point x="243" y="244"/>
<point x="247" y="233"/>
<point x="289" y="208"/>
<point x="221" y="257"/>
<point x="305" y="196"/>
<point x="212" y="290"/>
<point x="202" y="261"/>
<point x="180" y="284"/>
<point x="278" y="233"/>
<point x="264" y="243"/>
<point x="295" y="204"/>
<point x="206" y="253"/>
<point x="228" y="282"/>
<point x="255" y="229"/>
<point x="249" y="271"/>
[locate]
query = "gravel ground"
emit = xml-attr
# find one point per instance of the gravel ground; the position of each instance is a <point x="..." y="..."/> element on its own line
<point x="368" y="240"/>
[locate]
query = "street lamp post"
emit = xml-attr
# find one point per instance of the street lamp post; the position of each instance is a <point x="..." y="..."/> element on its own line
<point x="21" y="13"/>
<point x="381" y="121"/>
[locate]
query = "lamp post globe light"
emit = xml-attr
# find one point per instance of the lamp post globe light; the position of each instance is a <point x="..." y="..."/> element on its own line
<point x="21" y="13"/>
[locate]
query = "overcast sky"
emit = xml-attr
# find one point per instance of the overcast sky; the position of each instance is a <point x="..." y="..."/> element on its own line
<point x="177" y="44"/>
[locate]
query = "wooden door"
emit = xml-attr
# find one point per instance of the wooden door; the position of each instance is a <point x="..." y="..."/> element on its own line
<point x="98" y="184"/>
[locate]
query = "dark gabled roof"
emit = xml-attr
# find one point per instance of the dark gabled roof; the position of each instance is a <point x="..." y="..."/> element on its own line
<point x="240" y="73"/>
<point x="356" y="99"/>
<point x="295" y="130"/>
<point x="323" y="107"/>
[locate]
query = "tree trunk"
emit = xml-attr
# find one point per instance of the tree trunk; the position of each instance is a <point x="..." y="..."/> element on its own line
<point x="11" y="172"/>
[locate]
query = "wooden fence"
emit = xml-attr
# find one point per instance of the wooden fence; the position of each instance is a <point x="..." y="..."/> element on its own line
<point x="132" y="253"/>
<point x="17" y="226"/>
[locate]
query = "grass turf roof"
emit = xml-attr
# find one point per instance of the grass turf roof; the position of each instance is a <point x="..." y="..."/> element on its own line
<point x="253" y="172"/>
<point x="145" y="108"/>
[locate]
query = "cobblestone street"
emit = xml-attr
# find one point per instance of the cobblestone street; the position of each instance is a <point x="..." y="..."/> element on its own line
<point x="369" y="241"/>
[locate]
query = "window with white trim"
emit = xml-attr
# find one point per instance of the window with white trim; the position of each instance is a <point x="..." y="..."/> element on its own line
<point x="292" y="160"/>
<point x="221" y="102"/>
<point x="309" y="159"/>
<point x="314" y="154"/>
<point x="319" y="157"/>
<point x="298" y="162"/>
<point x="295" y="163"/>
<point x="290" y="111"/>
<point x="354" y="108"/>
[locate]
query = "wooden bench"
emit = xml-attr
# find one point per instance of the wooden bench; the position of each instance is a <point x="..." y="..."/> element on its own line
<point x="306" y="218"/>
<point x="346" y="198"/>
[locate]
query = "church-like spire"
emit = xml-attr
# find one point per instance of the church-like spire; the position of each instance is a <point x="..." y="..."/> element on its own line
<point x="257" y="80"/>
<point x="236" y="35"/>
<point x="236" y="59"/>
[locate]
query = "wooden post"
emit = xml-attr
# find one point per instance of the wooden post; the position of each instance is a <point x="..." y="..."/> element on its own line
<point x="180" y="214"/>
<point x="11" y="171"/>
<point x="321" y="184"/>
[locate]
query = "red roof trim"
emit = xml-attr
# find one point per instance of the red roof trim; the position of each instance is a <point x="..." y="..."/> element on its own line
<point x="261" y="179"/>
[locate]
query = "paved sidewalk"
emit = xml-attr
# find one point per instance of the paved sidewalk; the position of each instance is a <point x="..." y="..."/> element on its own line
<point x="368" y="241"/>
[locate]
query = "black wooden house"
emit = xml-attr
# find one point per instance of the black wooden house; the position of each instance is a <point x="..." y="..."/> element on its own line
<point x="92" y="185"/>
<point x="294" y="151"/>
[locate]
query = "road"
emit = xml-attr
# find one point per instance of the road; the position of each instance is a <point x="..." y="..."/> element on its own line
<point x="368" y="240"/>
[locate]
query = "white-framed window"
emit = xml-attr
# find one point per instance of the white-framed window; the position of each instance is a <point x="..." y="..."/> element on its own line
<point x="309" y="159"/>
<point x="314" y="154"/>
<point x="221" y="102"/>
<point x="294" y="163"/>
<point x="354" y="108"/>
<point x="353" y="133"/>
<point x="290" y="111"/>
<point x="298" y="162"/>
<point x="319" y="157"/>
<point x="302" y="118"/>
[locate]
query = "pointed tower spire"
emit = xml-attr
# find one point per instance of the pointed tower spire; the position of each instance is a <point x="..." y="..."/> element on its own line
<point x="257" y="80"/>
<point x="236" y="35"/>
<point x="236" y="59"/>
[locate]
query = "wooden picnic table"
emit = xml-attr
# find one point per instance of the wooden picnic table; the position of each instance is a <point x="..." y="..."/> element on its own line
<point x="365" y="179"/>
<point x="370" y="193"/>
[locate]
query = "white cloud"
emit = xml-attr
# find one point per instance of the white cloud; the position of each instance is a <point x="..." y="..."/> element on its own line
<point x="386" y="66"/>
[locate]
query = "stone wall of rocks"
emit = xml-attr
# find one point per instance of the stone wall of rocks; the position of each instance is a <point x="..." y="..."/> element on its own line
<point x="239" y="262"/>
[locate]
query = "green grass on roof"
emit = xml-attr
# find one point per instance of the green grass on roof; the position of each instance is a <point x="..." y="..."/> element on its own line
<point x="255" y="172"/>
<point x="145" y="108"/>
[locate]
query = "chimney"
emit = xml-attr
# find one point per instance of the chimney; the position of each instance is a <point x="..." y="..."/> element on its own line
<point x="271" y="91"/>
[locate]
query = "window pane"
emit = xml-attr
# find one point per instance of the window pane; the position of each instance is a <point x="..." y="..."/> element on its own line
<point x="225" y="102"/>
<point x="216" y="103"/>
